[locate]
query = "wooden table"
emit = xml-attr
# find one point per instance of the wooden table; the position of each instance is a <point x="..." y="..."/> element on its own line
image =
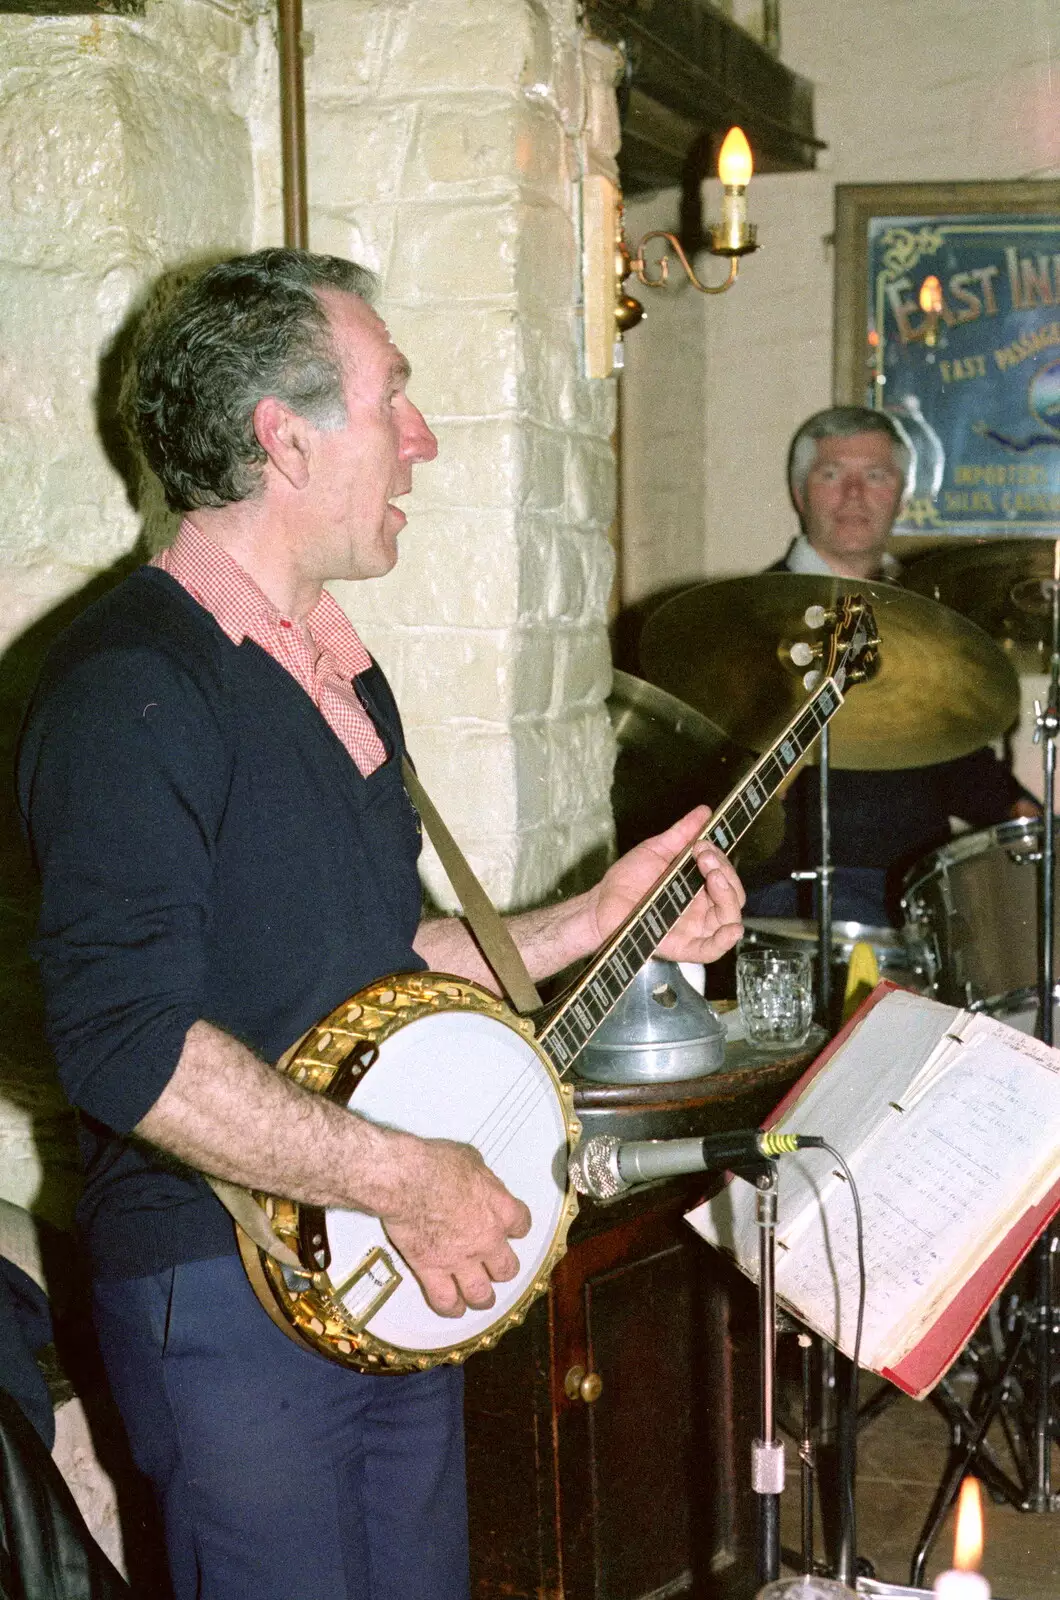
<point x="609" y="1438"/>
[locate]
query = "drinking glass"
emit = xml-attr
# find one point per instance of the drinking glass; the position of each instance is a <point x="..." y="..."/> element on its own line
<point x="775" y="991"/>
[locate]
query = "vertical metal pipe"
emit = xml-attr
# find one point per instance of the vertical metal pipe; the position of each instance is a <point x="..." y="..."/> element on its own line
<point x="292" y="125"/>
<point x="1042" y="1492"/>
<point x="806" y="1451"/>
<point x="767" y="1453"/>
<point x="824" y="893"/>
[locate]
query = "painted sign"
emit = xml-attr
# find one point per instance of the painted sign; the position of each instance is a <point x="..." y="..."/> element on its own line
<point x="964" y="352"/>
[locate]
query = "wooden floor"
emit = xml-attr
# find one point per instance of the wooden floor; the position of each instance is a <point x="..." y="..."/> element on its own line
<point x="901" y="1457"/>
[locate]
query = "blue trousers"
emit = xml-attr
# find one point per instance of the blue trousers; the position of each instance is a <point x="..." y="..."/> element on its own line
<point x="281" y="1475"/>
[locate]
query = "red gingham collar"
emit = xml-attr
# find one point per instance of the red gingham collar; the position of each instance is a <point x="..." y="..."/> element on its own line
<point x="242" y="610"/>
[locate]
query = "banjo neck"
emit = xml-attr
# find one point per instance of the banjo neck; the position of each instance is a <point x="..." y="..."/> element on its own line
<point x="568" y="1028"/>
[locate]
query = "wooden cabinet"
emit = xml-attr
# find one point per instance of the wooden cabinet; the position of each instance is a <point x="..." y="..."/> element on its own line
<point x="643" y="1491"/>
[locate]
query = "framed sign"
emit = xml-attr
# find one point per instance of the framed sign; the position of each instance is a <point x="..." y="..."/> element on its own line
<point x="947" y="306"/>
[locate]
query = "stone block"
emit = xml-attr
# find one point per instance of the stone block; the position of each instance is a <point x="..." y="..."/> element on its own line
<point x="591" y="480"/>
<point x="529" y="672"/>
<point x="455" y="253"/>
<point x="364" y="234"/>
<point x="462" y="673"/>
<point x="583" y="669"/>
<point x="458" y="568"/>
<point x="580" y="576"/>
<point x="465" y="147"/>
<point x="445" y="46"/>
<point x="469" y="772"/>
<point x="463" y="367"/>
<point x="349" y="46"/>
<point x="546" y="258"/>
<point x="550" y="357"/>
<point x="589" y="405"/>
<point x="543" y="486"/>
<point x="480" y="464"/>
<point x="537" y="557"/>
<point x="358" y="152"/>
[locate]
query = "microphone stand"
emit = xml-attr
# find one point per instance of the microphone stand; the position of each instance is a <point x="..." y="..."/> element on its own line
<point x="767" y="1452"/>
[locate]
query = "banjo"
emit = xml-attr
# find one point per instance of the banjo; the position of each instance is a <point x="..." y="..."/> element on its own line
<point x="441" y="1057"/>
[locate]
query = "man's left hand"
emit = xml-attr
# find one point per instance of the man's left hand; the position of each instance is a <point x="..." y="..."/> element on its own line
<point x="706" y="928"/>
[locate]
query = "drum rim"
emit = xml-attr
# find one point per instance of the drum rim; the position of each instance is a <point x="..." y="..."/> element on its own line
<point x="844" y="932"/>
<point x="965" y="846"/>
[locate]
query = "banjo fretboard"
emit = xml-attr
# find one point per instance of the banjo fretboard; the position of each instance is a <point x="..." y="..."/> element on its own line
<point x="601" y="987"/>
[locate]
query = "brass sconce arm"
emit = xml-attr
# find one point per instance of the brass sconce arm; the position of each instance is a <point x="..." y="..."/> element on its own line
<point x="639" y="266"/>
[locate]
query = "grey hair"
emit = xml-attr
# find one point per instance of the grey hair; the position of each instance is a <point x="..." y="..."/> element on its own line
<point x="245" y="328"/>
<point x="844" y="422"/>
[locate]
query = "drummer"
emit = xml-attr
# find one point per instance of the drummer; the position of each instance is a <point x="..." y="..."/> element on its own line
<point x="848" y="468"/>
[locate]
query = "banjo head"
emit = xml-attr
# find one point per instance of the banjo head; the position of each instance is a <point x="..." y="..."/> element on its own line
<point x="438" y="1057"/>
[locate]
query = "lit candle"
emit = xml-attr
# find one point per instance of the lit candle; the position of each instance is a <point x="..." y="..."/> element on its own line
<point x="963" y="1582"/>
<point x="734" y="169"/>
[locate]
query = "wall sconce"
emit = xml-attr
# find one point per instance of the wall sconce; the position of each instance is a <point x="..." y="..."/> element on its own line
<point x="607" y="260"/>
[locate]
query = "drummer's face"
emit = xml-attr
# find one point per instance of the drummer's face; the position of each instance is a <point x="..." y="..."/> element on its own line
<point x="850" y="500"/>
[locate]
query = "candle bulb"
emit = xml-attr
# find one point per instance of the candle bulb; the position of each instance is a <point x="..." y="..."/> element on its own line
<point x="735" y="166"/>
<point x="963" y="1582"/>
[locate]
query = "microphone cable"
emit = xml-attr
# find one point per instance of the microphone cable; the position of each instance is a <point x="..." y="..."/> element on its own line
<point x="855" y="1364"/>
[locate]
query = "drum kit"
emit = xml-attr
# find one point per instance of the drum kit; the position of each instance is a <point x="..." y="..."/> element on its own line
<point x="978" y="913"/>
<point x="721" y="683"/>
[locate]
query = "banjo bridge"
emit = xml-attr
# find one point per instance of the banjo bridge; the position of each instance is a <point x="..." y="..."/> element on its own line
<point x="368" y="1287"/>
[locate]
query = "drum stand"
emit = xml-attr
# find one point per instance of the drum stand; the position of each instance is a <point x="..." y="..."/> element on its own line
<point x="1016" y="1368"/>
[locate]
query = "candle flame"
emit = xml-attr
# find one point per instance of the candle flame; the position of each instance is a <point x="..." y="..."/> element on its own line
<point x="931" y="296"/>
<point x="734" y="160"/>
<point x="968" y="1543"/>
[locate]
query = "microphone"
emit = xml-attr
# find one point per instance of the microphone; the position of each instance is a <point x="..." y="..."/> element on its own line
<point x="604" y="1166"/>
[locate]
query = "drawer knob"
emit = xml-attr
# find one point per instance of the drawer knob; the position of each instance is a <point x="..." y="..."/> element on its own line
<point x="582" y="1385"/>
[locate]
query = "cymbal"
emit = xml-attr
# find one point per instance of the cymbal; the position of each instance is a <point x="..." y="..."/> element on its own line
<point x="943" y="687"/>
<point x="997" y="583"/>
<point x="671" y="758"/>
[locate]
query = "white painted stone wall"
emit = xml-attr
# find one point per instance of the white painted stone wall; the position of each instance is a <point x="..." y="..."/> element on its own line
<point x="124" y="146"/>
<point x="446" y="140"/>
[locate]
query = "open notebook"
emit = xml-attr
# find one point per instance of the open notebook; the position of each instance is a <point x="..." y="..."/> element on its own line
<point x="950" y="1122"/>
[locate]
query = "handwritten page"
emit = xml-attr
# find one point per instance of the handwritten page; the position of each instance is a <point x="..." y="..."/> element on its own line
<point x="948" y="1122"/>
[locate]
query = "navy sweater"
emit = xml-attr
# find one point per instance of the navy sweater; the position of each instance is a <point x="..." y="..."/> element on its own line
<point x="207" y="849"/>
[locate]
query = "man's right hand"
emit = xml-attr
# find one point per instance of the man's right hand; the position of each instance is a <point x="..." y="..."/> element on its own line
<point x="452" y="1225"/>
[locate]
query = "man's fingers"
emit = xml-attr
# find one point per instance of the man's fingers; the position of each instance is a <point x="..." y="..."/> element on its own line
<point x="517" y="1219"/>
<point x="502" y="1263"/>
<point x="441" y="1292"/>
<point x="476" y="1287"/>
<point x="710" y="861"/>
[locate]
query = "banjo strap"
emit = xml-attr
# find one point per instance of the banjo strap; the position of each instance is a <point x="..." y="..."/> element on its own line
<point x="495" y="941"/>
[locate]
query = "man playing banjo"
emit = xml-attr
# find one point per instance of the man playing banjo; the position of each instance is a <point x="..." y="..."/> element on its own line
<point x="211" y="777"/>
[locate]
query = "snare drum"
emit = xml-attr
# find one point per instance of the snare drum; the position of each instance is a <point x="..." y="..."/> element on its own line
<point x="974" y="906"/>
<point x="899" y="954"/>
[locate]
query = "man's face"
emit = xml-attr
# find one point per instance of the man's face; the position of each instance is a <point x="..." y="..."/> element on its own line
<point x="851" y="497"/>
<point x="362" y="468"/>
